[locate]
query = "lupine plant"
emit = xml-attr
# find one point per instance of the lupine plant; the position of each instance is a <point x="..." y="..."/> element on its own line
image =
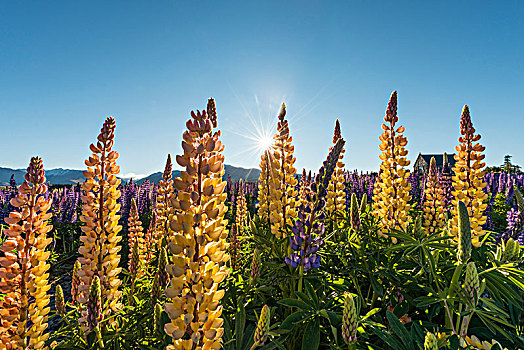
<point x="334" y="284"/>
<point x="468" y="180"/>
<point x="100" y="250"/>
<point x="197" y="240"/>
<point x="336" y="198"/>
<point x="24" y="267"/>
<point x="391" y="193"/>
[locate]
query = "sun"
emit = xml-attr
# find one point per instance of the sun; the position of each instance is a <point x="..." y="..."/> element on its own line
<point x="264" y="142"/>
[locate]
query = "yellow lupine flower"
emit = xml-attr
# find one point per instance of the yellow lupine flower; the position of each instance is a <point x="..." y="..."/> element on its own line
<point x="283" y="210"/>
<point x="468" y="181"/>
<point x="23" y="268"/>
<point x="433" y="207"/>
<point x="336" y="197"/>
<point x="99" y="254"/>
<point x="197" y="240"/>
<point x="391" y="192"/>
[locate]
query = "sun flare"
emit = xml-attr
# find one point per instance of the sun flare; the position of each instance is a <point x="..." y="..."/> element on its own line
<point x="264" y="142"/>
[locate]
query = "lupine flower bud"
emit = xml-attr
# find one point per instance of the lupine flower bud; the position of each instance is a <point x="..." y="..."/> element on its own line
<point x="59" y="300"/>
<point x="349" y="320"/>
<point x="430" y="343"/>
<point x="355" y="214"/>
<point x="509" y="249"/>
<point x="212" y="111"/>
<point x="75" y="282"/>
<point x="464" y="236"/>
<point x="255" y="264"/>
<point x="363" y="203"/>
<point x="262" y="329"/>
<point x="163" y="277"/>
<point x="472" y="284"/>
<point x="156" y="316"/>
<point x="135" y="259"/>
<point x="94" y="305"/>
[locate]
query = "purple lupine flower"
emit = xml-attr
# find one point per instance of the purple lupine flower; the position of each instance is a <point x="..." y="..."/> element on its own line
<point x="502" y="182"/>
<point x="309" y="227"/>
<point x="510" y="190"/>
<point x="515" y="225"/>
<point x="446" y="183"/>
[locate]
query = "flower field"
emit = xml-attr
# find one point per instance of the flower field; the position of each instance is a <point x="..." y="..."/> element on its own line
<point x="322" y="259"/>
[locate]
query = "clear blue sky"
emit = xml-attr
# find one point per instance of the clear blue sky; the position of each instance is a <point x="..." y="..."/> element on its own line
<point x="66" y="65"/>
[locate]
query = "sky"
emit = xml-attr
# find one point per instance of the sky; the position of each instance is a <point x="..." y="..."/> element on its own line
<point x="67" y="65"/>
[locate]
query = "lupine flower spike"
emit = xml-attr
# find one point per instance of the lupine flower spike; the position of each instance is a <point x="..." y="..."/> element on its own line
<point x="255" y="265"/>
<point x="433" y="206"/>
<point x="391" y="192"/>
<point x="309" y="226"/>
<point x="136" y="241"/>
<point x="197" y="240"/>
<point x="59" y="300"/>
<point x="472" y="283"/>
<point x="151" y="239"/>
<point x="336" y="198"/>
<point x="99" y="254"/>
<point x="268" y="198"/>
<point x="163" y="200"/>
<point x="464" y="234"/>
<point x="75" y="283"/>
<point x="355" y="213"/>
<point x="262" y="330"/>
<point x="23" y="268"/>
<point x="468" y="180"/>
<point x="234" y="248"/>
<point x="241" y="208"/>
<point x="349" y="320"/>
<point x="286" y="191"/>
<point x="430" y="343"/>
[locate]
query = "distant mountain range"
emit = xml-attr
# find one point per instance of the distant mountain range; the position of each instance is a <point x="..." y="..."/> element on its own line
<point x="61" y="176"/>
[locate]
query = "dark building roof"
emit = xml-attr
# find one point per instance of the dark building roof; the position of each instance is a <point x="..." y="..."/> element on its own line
<point x="423" y="161"/>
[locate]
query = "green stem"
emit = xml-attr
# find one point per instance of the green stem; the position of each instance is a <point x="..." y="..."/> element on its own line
<point x="300" y="277"/>
<point x="99" y="337"/>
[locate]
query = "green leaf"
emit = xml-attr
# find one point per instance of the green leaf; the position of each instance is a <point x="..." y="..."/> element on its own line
<point x="296" y="303"/>
<point x="292" y="319"/>
<point x="311" y="338"/>
<point x="399" y="329"/>
<point x="311" y="292"/>
<point x="240" y="323"/>
<point x="377" y="287"/>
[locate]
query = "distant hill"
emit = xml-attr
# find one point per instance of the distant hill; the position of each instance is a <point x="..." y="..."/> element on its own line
<point x="61" y="176"/>
<point x="236" y="173"/>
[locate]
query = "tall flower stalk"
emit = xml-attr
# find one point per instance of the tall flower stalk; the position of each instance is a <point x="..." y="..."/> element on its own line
<point x="309" y="226"/>
<point x="391" y="192"/>
<point x="135" y="237"/>
<point x="336" y="197"/>
<point x="99" y="254"/>
<point x="23" y="268"/>
<point x="241" y="208"/>
<point x="163" y="200"/>
<point x="286" y="192"/>
<point x="468" y="180"/>
<point x="197" y="241"/>
<point x="433" y="205"/>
